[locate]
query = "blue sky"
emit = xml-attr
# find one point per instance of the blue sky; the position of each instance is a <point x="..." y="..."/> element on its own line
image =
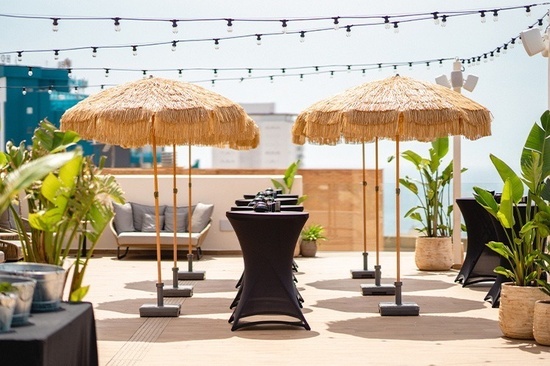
<point x="514" y="86"/>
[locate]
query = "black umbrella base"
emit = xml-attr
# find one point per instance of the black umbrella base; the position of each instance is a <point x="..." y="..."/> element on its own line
<point x="362" y="273"/>
<point x="393" y="309"/>
<point x="151" y="310"/>
<point x="193" y="275"/>
<point x="377" y="290"/>
<point x="180" y="291"/>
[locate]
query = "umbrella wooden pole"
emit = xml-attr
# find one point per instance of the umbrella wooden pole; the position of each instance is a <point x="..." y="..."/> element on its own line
<point x="160" y="301"/>
<point x="175" y="203"/>
<point x="377" y="202"/>
<point x="190" y="215"/>
<point x="397" y="213"/>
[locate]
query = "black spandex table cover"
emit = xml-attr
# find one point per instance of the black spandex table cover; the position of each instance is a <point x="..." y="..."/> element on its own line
<point x="267" y="241"/>
<point x="59" y="338"/>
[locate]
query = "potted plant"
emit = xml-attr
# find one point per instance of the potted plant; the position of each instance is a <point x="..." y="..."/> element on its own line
<point x="66" y="206"/>
<point x="433" y="214"/>
<point x="310" y="236"/>
<point x="541" y="312"/>
<point x="8" y="298"/>
<point x="526" y="228"/>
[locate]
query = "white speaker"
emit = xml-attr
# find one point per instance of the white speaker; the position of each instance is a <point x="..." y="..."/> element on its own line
<point x="442" y="80"/>
<point x="457" y="79"/>
<point x="532" y="41"/>
<point x="470" y="83"/>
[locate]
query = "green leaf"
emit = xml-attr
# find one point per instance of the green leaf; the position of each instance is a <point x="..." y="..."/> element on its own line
<point x="79" y="294"/>
<point x="506" y="173"/>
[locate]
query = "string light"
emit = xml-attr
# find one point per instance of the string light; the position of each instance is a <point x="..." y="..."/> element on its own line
<point x="69" y="73"/>
<point x="528" y="10"/>
<point x="30" y="71"/>
<point x="215" y="73"/>
<point x="436" y="18"/>
<point x="410" y="65"/>
<point x="395" y="27"/>
<point x="283" y="70"/>
<point x="363" y="72"/>
<point x="144" y="73"/>
<point x="55" y="25"/>
<point x="444" y="21"/>
<point x="332" y="74"/>
<point x="427" y="65"/>
<point x="24" y="91"/>
<point x="94" y="51"/>
<point x="495" y="15"/>
<point x="174" y="26"/>
<point x="76" y="89"/>
<point x="249" y="72"/>
<point x="271" y="79"/>
<point x="56" y="54"/>
<point x="387" y="22"/>
<point x="284" y="25"/>
<point x="213" y="83"/>
<point x="302" y="36"/>
<point x="180" y="73"/>
<point x="540" y="23"/>
<point x="50" y="89"/>
<point x="229" y="25"/>
<point x="117" y="24"/>
<point x="301" y="77"/>
<point x="174" y="45"/>
<point x="379" y="67"/>
<point x="217" y="43"/>
<point x="348" y="30"/>
<point x="440" y="62"/>
<point x="134" y="50"/>
<point x="19" y="56"/>
<point x="336" y="23"/>
<point x="258" y="39"/>
<point x="106" y="73"/>
<point x="349" y="69"/>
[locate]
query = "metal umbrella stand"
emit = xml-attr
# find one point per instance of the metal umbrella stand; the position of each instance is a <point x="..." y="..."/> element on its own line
<point x="395" y="108"/>
<point x="160" y="112"/>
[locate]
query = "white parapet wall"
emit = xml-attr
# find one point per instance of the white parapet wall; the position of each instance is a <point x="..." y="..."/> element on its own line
<point x="221" y="190"/>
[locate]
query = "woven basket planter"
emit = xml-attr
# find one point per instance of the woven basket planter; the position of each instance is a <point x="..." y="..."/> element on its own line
<point x="541" y="322"/>
<point x="515" y="313"/>
<point x="433" y="253"/>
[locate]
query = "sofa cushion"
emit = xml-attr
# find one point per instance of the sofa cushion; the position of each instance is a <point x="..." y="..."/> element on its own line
<point x="149" y="239"/>
<point x="138" y="211"/>
<point x="149" y="221"/>
<point x="182" y="219"/>
<point x="124" y="220"/>
<point x="201" y="216"/>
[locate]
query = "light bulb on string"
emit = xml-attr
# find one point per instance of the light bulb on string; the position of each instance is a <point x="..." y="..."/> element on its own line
<point x="301" y="77"/>
<point x="387" y="22"/>
<point x="134" y="50"/>
<point x="271" y="79"/>
<point x="316" y="68"/>
<point x="349" y="69"/>
<point x="229" y="25"/>
<point x="217" y="43"/>
<point x="284" y="25"/>
<point x="505" y="48"/>
<point x="395" y="69"/>
<point x="258" y="39"/>
<point x="76" y="89"/>
<point x="215" y="73"/>
<point x="174" y="26"/>
<point x="379" y="67"/>
<point x="106" y="73"/>
<point x="478" y="60"/>
<point x="444" y="21"/>
<point x="213" y="83"/>
<point x="19" y="56"/>
<point x="332" y="74"/>
<point x="336" y="23"/>
<point x="50" y="89"/>
<point x="69" y="73"/>
<point x="512" y="43"/>
<point x="180" y="73"/>
<point x="302" y="36"/>
<point x="427" y="65"/>
<point x="55" y="24"/>
<point x="482" y="14"/>
<point x="495" y="15"/>
<point x="241" y="80"/>
<point x="395" y="27"/>
<point x="283" y="71"/>
<point x="485" y="58"/>
<point x="102" y="86"/>
<point x="29" y="72"/>
<point x="540" y="24"/>
<point x="498" y="52"/>
<point x="528" y="10"/>
<point x="436" y="18"/>
<point x="492" y="55"/>
<point x="348" y="30"/>
<point x="410" y="65"/>
<point x="441" y="63"/>
<point x="174" y="45"/>
<point x="363" y="72"/>
<point x="56" y="55"/>
<point x="144" y="73"/>
<point x="117" y="24"/>
<point x="24" y="91"/>
<point x="249" y="72"/>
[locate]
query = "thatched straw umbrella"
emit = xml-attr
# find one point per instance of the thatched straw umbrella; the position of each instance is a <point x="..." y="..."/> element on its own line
<point x="396" y="108"/>
<point x="162" y="112"/>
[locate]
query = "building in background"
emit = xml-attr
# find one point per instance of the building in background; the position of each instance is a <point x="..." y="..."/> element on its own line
<point x="276" y="150"/>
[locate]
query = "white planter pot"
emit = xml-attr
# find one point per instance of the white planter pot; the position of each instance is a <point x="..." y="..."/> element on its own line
<point x="515" y="313"/>
<point x="433" y="253"/>
<point x="7" y="308"/>
<point x="541" y="322"/>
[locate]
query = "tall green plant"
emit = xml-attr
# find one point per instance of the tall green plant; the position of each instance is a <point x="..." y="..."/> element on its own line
<point x="527" y="229"/>
<point x="432" y="188"/>
<point x="288" y="180"/>
<point x="66" y="206"/>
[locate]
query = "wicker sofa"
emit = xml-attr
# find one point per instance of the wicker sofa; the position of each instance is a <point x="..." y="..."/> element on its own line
<point x="134" y="227"/>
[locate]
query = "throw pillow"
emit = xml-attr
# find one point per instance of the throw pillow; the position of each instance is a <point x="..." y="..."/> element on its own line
<point x="124" y="220"/>
<point x="149" y="222"/>
<point x="182" y="219"/>
<point x="138" y="211"/>
<point x="201" y="216"/>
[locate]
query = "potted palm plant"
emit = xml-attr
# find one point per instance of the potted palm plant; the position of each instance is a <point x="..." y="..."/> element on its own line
<point x="433" y="248"/>
<point x="64" y="207"/>
<point x="310" y="237"/>
<point x="526" y="225"/>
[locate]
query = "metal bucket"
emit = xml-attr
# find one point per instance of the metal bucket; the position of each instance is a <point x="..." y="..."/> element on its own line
<point x="25" y="290"/>
<point x="50" y="281"/>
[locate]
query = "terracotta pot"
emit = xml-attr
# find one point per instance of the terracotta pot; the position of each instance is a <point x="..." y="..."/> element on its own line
<point x="541" y="322"/>
<point x="515" y="313"/>
<point x="433" y="253"/>
<point x="308" y="248"/>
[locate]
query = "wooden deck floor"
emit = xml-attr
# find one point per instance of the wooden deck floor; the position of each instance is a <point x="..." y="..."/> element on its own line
<point x="455" y="326"/>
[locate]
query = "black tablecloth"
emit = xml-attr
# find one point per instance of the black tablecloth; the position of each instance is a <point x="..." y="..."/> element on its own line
<point x="59" y="338"/>
<point x="267" y="241"/>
